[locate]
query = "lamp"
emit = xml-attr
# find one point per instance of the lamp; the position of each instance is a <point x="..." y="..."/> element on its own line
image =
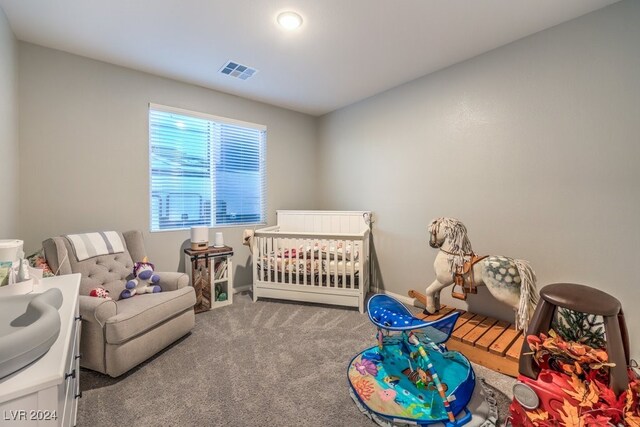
<point x="199" y="238"/>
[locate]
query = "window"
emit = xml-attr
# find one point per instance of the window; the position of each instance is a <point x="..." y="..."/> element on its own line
<point x="204" y="170"/>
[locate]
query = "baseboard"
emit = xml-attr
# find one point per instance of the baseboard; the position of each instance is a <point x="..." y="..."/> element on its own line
<point x="407" y="300"/>
<point x="243" y="288"/>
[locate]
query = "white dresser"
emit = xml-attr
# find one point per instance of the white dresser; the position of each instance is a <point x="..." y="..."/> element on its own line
<point x="46" y="392"/>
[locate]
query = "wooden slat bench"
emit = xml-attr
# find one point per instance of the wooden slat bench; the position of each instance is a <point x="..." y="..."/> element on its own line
<point x="486" y="341"/>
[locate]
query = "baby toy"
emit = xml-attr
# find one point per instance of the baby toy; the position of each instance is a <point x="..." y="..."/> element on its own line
<point x="410" y="377"/>
<point x="509" y="280"/>
<point x="578" y="377"/>
<point x="144" y="281"/>
<point x="99" y="293"/>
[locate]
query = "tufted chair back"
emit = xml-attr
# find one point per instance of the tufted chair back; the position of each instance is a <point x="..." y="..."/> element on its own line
<point x="106" y="271"/>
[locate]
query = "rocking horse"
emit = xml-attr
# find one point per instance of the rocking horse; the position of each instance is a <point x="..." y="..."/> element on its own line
<point x="509" y="280"/>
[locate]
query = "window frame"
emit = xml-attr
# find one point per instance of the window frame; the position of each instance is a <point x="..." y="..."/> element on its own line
<point x="221" y="120"/>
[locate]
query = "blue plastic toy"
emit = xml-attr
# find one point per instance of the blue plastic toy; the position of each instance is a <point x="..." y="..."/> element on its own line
<point x="410" y="377"/>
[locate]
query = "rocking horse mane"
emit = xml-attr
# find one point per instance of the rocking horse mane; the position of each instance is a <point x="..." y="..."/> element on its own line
<point x="456" y="234"/>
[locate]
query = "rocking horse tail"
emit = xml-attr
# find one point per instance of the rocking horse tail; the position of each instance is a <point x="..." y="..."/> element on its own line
<point x="528" y="294"/>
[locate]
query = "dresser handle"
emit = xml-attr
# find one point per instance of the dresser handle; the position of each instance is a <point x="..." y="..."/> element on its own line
<point x="79" y="395"/>
<point x="79" y="356"/>
<point x="72" y="374"/>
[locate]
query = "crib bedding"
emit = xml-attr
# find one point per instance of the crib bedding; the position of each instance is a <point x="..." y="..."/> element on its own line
<point x="317" y="258"/>
<point x="322" y="251"/>
<point x="331" y="251"/>
<point x="300" y="266"/>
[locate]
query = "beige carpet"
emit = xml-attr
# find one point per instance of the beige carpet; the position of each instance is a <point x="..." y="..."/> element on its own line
<point x="271" y="363"/>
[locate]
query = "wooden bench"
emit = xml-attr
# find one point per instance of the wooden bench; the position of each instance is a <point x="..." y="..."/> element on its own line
<point x="484" y="340"/>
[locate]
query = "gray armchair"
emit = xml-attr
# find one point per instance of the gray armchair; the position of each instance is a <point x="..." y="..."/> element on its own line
<point x="116" y="334"/>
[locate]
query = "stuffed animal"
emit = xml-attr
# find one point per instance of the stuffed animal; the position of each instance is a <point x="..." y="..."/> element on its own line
<point x="99" y="293"/>
<point x="144" y="280"/>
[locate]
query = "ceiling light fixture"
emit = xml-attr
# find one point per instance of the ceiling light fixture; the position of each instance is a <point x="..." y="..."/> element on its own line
<point x="289" y="20"/>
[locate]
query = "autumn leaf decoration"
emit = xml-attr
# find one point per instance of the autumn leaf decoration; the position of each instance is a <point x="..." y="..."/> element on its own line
<point x="588" y="401"/>
<point x="572" y="357"/>
<point x="570" y="416"/>
<point x="538" y="417"/>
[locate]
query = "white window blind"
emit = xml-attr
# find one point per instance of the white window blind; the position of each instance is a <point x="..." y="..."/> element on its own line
<point x="204" y="170"/>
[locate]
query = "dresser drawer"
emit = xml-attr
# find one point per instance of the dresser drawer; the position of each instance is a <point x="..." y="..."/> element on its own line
<point x="70" y="394"/>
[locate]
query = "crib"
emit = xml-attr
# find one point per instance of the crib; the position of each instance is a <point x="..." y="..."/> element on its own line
<point x="313" y="256"/>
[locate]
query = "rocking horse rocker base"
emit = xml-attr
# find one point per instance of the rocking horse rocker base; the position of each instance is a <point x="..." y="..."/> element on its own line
<point x="487" y="341"/>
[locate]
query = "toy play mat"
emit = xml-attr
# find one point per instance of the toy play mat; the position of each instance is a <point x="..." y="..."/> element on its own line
<point x="410" y="377"/>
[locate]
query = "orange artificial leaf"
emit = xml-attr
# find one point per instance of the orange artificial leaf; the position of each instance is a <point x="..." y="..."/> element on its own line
<point x="591" y="397"/>
<point x="578" y="349"/>
<point x="628" y="405"/>
<point x="578" y="389"/>
<point x="570" y="416"/>
<point x="596" y="366"/>
<point x="631" y="420"/>
<point x="567" y="368"/>
<point x="578" y="368"/>
<point x="601" y="355"/>
<point x="534" y="342"/>
<point x="537" y="415"/>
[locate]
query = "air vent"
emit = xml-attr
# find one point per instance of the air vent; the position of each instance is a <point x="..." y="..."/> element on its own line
<point x="240" y="71"/>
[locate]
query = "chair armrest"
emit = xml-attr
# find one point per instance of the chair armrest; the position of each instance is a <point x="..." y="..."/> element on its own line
<point x="171" y="281"/>
<point x="96" y="310"/>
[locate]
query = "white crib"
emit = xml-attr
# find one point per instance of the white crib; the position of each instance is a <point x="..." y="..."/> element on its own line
<point x="313" y="256"/>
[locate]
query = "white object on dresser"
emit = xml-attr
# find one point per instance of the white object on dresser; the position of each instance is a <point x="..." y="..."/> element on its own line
<point x="46" y="392"/>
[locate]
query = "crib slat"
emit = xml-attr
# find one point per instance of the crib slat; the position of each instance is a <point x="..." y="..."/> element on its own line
<point x="270" y="245"/>
<point x="285" y="267"/>
<point x="276" y="264"/>
<point x="312" y="253"/>
<point x="261" y="256"/>
<point x="344" y="263"/>
<point x="278" y="260"/>
<point x="289" y="247"/>
<point x="296" y="244"/>
<point x="335" y="260"/>
<point x="353" y="266"/>
<point x="304" y="256"/>
<point x="327" y="275"/>
<point x="265" y="259"/>
<point x="289" y="267"/>
<point x="281" y="249"/>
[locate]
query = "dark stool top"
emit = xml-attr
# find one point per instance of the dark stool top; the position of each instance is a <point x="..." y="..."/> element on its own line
<point x="581" y="298"/>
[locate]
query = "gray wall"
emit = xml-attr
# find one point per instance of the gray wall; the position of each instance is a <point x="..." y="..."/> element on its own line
<point x="8" y="131"/>
<point x="534" y="146"/>
<point x="84" y="151"/>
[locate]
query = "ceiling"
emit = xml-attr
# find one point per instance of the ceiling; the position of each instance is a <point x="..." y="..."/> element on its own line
<point x="345" y="51"/>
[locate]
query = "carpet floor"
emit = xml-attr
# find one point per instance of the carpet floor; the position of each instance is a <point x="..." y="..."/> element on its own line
<point x="271" y="363"/>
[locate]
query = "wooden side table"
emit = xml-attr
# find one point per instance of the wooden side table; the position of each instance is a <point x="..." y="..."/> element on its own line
<point x="211" y="276"/>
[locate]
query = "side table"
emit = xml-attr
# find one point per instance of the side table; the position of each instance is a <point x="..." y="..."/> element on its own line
<point x="211" y="276"/>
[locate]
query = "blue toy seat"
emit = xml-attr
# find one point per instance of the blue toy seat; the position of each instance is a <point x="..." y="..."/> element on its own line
<point x="390" y="314"/>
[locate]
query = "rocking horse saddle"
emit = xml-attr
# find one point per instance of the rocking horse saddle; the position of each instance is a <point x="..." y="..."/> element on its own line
<point x="465" y="280"/>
